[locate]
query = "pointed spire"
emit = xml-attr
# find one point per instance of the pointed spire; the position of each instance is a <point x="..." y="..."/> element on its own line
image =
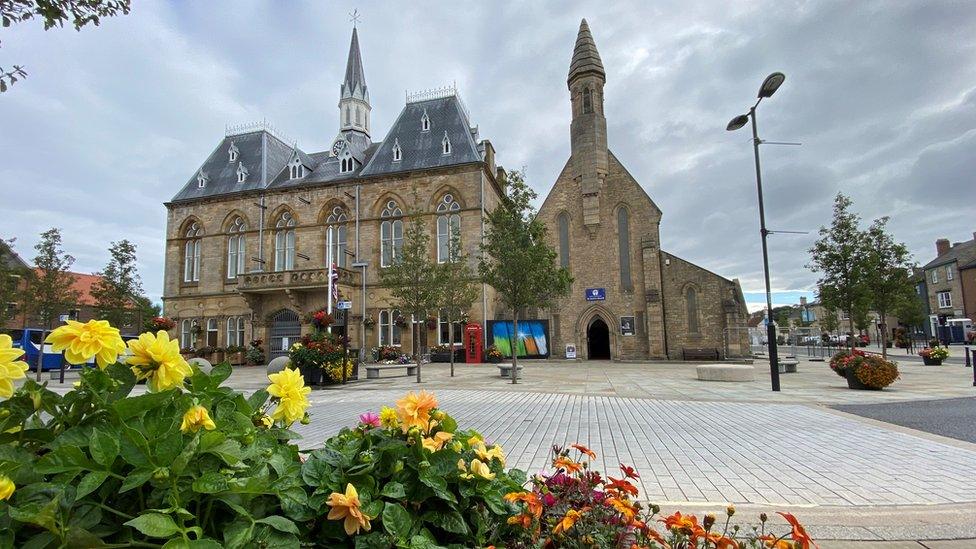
<point x="586" y="59"/>
<point x="355" y="82"/>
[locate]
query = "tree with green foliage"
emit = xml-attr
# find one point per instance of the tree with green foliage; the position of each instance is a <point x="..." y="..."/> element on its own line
<point x="516" y="259"/>
<point x="829" y="321"/>
<point x="50" y="287"/>
<point x="889" y="270"/>
<point x="458" y="289"/>
<point x="55" y="13"/>
<point x="118" y="286"/>
<point x="12" y="279"/>
<point x="147" y="312"/>
<point x="412" y="279"/>
<point x="840" y="255"/>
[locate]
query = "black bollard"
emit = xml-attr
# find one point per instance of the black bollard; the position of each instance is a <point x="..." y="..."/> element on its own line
<point x="966" y="352"/>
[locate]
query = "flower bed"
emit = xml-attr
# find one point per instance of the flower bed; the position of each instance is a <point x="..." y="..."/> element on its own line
<point x="864" y="371"/>
<point x="192" y="463"/>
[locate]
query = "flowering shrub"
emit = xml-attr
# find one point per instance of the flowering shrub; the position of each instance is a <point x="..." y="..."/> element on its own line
<point x="320" y="351"/>
<point x="575" y="506"/>
<point x="160" y="323"/>
<point x="876" y="372"/>
<point x="409" y="477"/>
<point x="936" y="353"/>
<point x="320" y="319"/>
<point x="492" y="353"/>
<point x="842" y="360"/>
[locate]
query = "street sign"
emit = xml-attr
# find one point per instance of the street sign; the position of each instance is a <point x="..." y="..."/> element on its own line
<point x="344" y="305"/>
<point x="596" y="294"/>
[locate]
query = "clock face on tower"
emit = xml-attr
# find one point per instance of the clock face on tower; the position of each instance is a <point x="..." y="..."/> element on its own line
<point x="338" y="146"/>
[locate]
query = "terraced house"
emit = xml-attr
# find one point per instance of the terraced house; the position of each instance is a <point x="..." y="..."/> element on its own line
<point x="248" y="236"/>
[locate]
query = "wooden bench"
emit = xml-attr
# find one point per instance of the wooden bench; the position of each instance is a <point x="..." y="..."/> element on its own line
<point x="699" y="353"/>
<point x="373" y="370"/>
<point x="506" y="371"/>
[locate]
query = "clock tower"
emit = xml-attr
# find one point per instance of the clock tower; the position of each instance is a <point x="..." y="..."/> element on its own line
<point x="354" y="105"/>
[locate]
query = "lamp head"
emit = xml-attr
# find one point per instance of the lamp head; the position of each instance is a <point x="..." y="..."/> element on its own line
<point x="771" y="84"/>
<point x="737" y="122"/>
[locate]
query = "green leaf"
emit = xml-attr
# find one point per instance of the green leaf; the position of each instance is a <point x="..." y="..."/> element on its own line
<point x="104" y="448"/>
<point x="421" y="542"/>
<point x="35" y="514"/>
<point x="169" y="447"/>
<point x="397" y="521"/>
<point x="438" y="485"/>
<point x="80" y="537"/>
<point x="210" y="483"/>
<point x="182" y="460"/>
<point x="220" y="373"/>
<point x="451" y="521"/>
<point x="279" y="523"/>
<point x="135" y="480"/>
<point x="91" y="482"/>
<point x="228" y="450"/>
<point x="257" y="400"/>
<point x="65" y="458"/>
<point x="238" y="534"/>
<point x="154" y="525"/>
<point x="133" y="406"/>
<point x="393" y="490"/>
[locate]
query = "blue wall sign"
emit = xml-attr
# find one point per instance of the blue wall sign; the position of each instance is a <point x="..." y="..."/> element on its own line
<point x="596" y="294"/>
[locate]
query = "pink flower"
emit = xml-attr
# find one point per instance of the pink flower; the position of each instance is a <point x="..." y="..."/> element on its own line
<point x="549" y="500"/>
<point x="370" y="419"/>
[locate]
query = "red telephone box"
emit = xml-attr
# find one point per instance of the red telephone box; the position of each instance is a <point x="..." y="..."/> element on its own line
<point x="473" y="343"/>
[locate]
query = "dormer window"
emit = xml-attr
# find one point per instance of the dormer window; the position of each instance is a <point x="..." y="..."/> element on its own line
<point x="241" y="173"/>
<point x="425" y="123"/>
<point x="296" y="170"/>
<point x="232" y="152"/>
<point x="446" y="144"/>
<point x="346" y="165"/>
<point x="397" y="153"/>
<point x="201" y="180"/>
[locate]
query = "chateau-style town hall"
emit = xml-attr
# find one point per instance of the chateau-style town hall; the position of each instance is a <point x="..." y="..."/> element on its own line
<point x="251" y="234"/>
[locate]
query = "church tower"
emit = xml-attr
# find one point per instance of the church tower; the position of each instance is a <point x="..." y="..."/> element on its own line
<point x="354" y="95"/>
<point x="588" y="131"/>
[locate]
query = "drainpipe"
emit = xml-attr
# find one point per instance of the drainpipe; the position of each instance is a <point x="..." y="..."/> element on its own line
<point x="484" y="288"/>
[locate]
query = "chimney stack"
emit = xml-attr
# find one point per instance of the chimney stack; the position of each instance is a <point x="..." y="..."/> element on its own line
<point x="941" y="246"/>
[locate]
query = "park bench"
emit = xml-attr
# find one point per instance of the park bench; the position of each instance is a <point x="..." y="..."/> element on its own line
<point x="373" y="370"/>
<point x="726" y="372"/>
<point x="700" y="353"/>
<point x="506" y="371"/>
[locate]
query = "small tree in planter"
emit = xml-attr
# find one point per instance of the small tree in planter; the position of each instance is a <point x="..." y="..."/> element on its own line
<point x="933" y="356"/>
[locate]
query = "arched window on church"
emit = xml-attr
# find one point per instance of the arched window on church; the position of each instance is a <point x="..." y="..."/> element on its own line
<point x="563" y="227"/>
<point x="691" y="301"/>
<point x="587" y="101"/>
<point x="285" y="243"/>
<point x="623" y="248"/>
<point x="448" y="227"/>
<point x="336" y="232"/>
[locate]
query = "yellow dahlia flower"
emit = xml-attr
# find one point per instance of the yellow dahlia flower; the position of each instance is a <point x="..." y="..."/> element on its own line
<point x="346" y="507"/>
<point x="389" y="418"/>
<point x="292" y="394"/>
<point x="11" y="369"/>
<point x="414" y="410"/>
<point x="157" y="359"/>
<point x="6" y="488"/>
<point x="80" y="342"/>
<point x="195" y="418"/>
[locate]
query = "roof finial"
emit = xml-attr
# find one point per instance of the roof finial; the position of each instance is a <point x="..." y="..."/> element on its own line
<point x="354" y="17"/>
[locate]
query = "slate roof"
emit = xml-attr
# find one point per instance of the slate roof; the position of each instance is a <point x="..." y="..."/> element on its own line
<point x="422" y="149"/>
<point x="963" y="252"/>
<point x="263" y="155"/>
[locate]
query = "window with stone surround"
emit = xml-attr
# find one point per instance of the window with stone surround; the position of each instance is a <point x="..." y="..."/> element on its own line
<point x="191" y="253"/>
<point x="285" y="242"/>
<point x="236" y="248"/>
<point x="948" y="272"/>
<point x="186" y="333"/>
<point x="562" y="222"/>
<point x="235" y="331"/>
<point x="335" y="233"/>
<point x="448" y="226"/>
<point x="211" y="332"/>
<point x="623" y="249"/>
<point x="443" y="330"/>
<point x="389" y="332"/>
<point x="391" y="234"/>
<point x="587" y="101"/>
<point x="945" y="300"/>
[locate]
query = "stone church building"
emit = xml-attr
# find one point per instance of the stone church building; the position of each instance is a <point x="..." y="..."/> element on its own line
<point x="629" y="299"/>
<point x="247" y="236"/>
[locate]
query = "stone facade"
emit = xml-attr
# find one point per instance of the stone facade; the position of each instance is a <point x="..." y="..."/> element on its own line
<point x="607" y="232"/>
<point x="945" y="275"/>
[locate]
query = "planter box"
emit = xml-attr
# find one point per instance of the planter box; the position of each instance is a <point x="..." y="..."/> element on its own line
<point x="216" y="358"/>
<point x="854" y="383"/>
<point x="932" y="361"/>
<point x="236" y="358"/>
<point x="312" y="376"/>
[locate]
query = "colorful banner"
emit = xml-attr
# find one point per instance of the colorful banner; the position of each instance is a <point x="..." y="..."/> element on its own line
<point x="532" y="340"/>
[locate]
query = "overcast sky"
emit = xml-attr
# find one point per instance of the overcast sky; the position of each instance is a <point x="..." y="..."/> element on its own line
<point x="113" y="120"/>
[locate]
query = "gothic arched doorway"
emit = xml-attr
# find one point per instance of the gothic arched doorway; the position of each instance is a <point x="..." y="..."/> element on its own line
<point x="598" y="340"/>
<point x="285" y="331"/>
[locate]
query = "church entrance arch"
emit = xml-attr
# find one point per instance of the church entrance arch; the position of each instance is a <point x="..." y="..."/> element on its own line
<point x="598" y="340"/>
<point x="285" y="331"/>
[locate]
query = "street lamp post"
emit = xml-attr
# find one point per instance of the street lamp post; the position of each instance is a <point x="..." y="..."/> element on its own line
<point x="768" y="88"/>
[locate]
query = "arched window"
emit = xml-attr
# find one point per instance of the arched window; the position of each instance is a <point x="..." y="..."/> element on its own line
<point x="587" y="101"/>
<point x="191" y="253"/>
<point x="241" y="173"/>
<point x="336" y="233"/>
<point x="691" y="301"/>
<point x="424" y="122"/>
<point x="445" y="144"/>
<point x="285" y="243"/>
<point x="389" y="329"/>
<point x="563" y="226"/>
<point x="186" y="333"/>
<point x="397" y="153"/>
<point x="211" y="332"/>
<point x="296" y="170"/>
<point x="391" y="234"/>
<point x="235" y="331"/>
<point x="623" y="250"/>
<point x="232" y="152"/>
<point x="235" y="248"/>
<point x="448" y="228"/>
